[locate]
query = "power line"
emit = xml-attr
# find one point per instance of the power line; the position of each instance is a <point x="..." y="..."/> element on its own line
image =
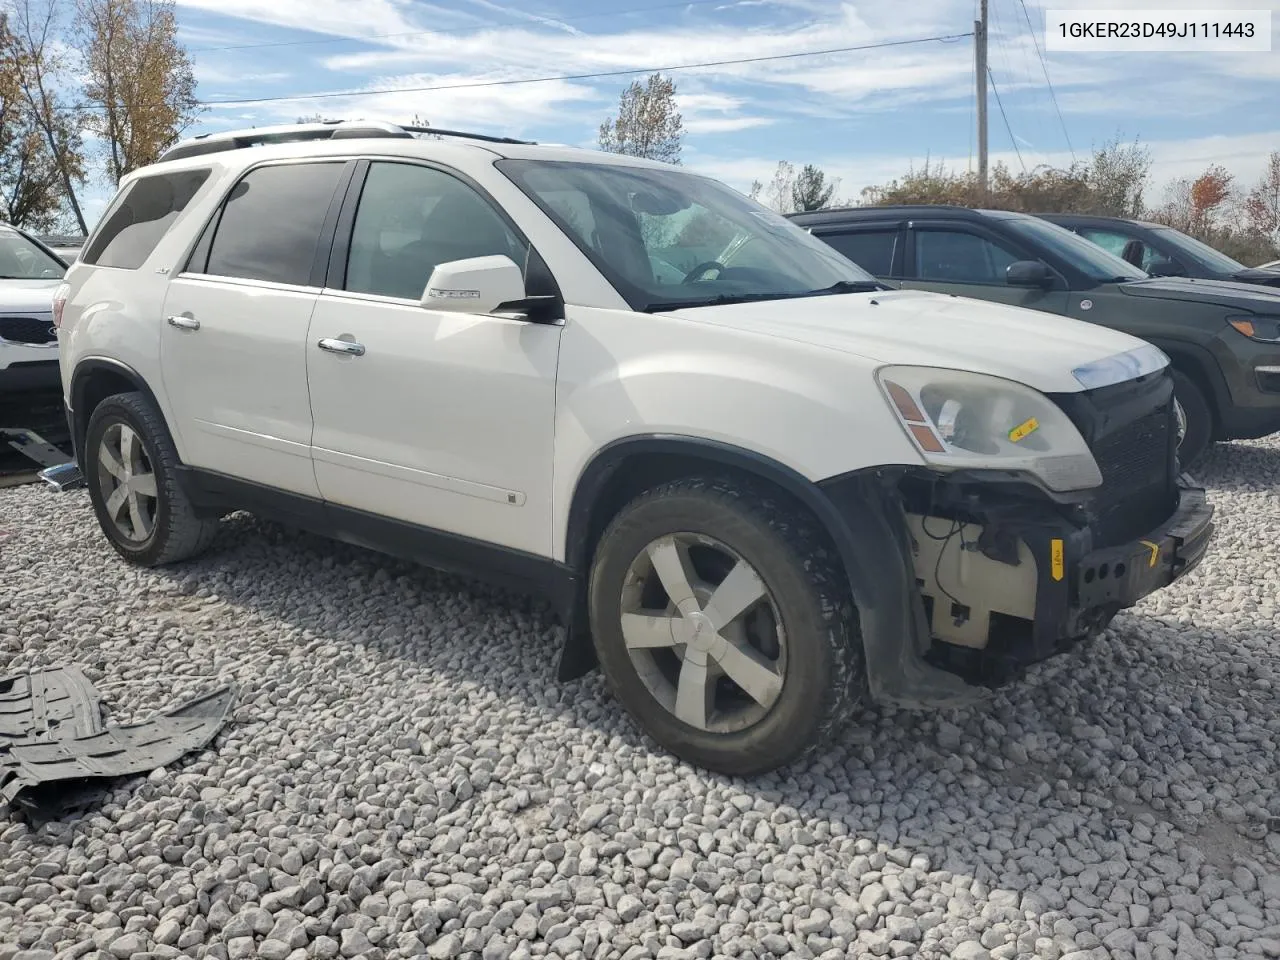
<point x="457" y="30"/>
<point x="1049" y="83"/>
<point x="575" y="76"/>
<point x="1000" y="104"/>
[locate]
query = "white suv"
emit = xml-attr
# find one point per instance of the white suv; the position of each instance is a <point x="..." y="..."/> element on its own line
<point x="757" y="483"/>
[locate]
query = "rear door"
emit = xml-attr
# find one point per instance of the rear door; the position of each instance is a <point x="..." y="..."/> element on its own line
<point x="233" y="345"/>
<point x="970" y="260"/>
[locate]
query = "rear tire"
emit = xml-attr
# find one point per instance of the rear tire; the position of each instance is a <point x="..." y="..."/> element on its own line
<point x="1198" y="417"/>
<point x="772" y="683"/>
<point x="131" y="469"/>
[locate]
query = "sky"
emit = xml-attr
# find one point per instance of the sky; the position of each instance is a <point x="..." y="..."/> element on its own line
<point x="864" y="116"/>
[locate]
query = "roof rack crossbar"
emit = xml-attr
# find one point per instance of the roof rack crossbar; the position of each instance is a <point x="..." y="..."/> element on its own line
<point x="207" y="143"/>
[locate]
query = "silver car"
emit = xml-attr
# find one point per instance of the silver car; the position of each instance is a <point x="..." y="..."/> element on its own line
<point x="29" y="274"/>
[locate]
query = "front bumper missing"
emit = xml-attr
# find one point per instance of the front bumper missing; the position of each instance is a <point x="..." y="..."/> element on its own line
<point x="991" y="617"/>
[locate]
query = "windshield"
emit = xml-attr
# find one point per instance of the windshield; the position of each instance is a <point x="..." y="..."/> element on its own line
<point x="1202" y="253"/>
<point x="1084" y="255"/>
<point x="20" y="259"/>
<point x="667" y="239"/>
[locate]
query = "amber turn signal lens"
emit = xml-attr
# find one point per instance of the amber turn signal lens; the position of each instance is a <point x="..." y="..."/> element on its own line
<point x="927" y="439"/>
<point x="902" y="400"/>
<point x="1244" y="326"/>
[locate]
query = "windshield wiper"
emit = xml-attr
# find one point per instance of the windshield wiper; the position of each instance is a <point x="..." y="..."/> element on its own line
<point x="840" y="286"/>
<point x="849" y="286"/>
<point x="717" y="301"/>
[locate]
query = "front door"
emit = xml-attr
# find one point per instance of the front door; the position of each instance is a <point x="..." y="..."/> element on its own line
<point x="441" y="420"/>
<point x="970" y="262"/>
<point x="233" y="343"/>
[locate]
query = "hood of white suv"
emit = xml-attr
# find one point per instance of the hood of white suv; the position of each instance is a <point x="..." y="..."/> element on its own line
<point x="933" y="330"/>
<point x="27" y="296"/>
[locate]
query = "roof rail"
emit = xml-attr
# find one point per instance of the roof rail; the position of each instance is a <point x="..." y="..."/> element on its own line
<point x="284" y="133"/>
<point x="207" y="143"/>
<point x="437" y="131"/>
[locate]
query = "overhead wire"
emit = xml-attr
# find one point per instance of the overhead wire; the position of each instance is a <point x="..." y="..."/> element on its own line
<point x="1044" y="66"/>
<point x="1005" y="117"/>
<point x="477" y="84"/>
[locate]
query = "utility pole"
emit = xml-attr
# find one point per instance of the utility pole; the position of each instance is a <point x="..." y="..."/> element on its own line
<point x="980" y="71"/>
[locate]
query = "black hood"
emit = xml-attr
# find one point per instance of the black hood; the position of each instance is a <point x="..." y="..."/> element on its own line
<point x="1224" y="293"/>
<point x="1268" y="278"/>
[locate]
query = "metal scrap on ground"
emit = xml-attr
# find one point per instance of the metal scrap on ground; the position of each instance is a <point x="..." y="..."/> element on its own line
<point x="51" y="732"/>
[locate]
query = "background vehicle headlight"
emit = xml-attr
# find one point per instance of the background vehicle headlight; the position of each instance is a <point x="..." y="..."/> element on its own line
<point x="962" y="420"/>
<point x="1255" y="327"/>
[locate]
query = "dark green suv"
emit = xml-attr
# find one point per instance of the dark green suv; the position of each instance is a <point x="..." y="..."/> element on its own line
<point x="1223" y="338"/>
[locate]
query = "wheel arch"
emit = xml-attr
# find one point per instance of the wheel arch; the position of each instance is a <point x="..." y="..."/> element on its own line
<point x="95" y="379"/>
<point x="626" y="467"/>
<point x="1199" y="366"/>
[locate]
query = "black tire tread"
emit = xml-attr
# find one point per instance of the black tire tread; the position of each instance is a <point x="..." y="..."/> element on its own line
<point x="813" y="551"/>
<point x="1198" y="410"/>
<point x="186" y="534"/>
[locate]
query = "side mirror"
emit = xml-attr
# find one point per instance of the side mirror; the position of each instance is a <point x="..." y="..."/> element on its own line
<point x="1165" y="267"/>
<point x="476" y="285"/>
<point x="1028" y="273"/>
<point x="485" y="285"/>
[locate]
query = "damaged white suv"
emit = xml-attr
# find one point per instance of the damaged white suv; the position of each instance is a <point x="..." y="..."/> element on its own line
<point x="758" y="484"/>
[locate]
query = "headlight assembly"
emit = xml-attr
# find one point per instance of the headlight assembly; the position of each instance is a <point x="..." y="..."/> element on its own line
<point x="1260" y="328"/>
<point x="964" y="420"/>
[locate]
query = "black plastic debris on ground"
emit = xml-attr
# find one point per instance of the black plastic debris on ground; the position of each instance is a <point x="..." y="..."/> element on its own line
<point x="55" y="751"/>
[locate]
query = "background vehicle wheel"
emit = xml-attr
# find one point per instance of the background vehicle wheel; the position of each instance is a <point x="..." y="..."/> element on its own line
<point x="131" y="469"/>
<point x="723" y="623"/>
<point x="1195" y="418"/>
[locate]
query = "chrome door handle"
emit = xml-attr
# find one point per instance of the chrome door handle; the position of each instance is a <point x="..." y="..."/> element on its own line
<point x="184" y="323"/>
<point x="350" y="347"/>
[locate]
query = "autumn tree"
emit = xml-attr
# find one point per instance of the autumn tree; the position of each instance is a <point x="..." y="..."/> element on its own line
<point x="139" y="78"/>
<point x="648" y="124"/>
<point x="41" y="76"/>
<point x="812" y="190"/>
<point x="29" y="195"/>
<point x="1117" y="175"/>
<point x="1262" y="205"/>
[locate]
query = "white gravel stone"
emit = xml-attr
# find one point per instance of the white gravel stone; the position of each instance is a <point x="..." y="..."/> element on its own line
<point x="404" y="776"/>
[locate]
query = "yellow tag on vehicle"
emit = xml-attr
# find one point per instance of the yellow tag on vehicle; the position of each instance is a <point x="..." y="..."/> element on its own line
<point x="1056" y="566"/>
<point x="1024" y="429"/>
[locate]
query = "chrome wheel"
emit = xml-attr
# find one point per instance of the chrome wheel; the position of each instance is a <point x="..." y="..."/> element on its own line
<point x="1181" y="416"/>
<point x="703" y="633"/>
<point x="127" y="482"/>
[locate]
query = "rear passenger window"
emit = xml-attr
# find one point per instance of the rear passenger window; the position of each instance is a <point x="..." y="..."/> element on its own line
<point x="270" y="225"/>
<point x="872" y="250"/>
<point x="136" y="223"/>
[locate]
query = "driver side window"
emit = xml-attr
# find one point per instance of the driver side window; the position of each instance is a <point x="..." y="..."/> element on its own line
<point x="413" y="218"/>
<point x="957" y="256"/>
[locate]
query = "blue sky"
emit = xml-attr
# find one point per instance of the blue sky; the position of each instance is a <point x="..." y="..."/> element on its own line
<point x="863" y="116"/>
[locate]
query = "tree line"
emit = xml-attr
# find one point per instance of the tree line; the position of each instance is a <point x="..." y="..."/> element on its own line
<point x="1242" y="220"/>
<point x="110" y="71"/>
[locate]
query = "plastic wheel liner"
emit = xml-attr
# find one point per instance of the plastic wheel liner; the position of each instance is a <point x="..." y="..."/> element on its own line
<point x="51" y="731"/>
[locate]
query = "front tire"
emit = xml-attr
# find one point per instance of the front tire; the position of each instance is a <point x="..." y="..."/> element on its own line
<point x="1195" y="419"/>
<point x="723" y="623"/>
<point x="131" y="468"/>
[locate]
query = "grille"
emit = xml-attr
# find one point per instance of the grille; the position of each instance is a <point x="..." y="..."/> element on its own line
<point x="1136" y="476"/>
<point x="29" y="330"/>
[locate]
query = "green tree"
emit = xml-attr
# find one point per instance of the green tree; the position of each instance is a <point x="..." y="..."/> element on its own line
<point x="812" y="190"/>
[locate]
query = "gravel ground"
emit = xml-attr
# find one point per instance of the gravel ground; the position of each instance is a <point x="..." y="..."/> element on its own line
<point x="405" y="777"/>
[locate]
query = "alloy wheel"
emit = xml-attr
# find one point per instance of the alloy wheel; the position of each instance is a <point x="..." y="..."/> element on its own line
<point x="127" y="482"/>
<point x="1181" y="416"/>
<point x="703" y="633"/>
